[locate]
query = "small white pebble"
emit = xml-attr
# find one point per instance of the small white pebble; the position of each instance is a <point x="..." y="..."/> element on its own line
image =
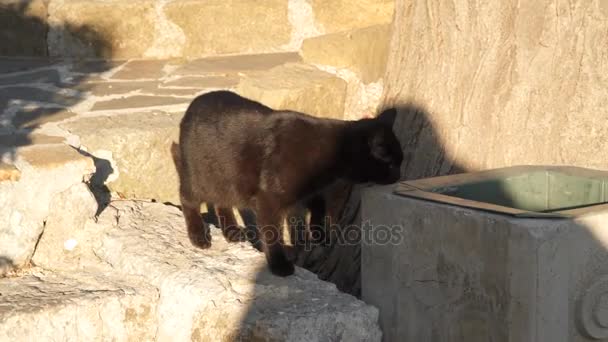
<point x="69" y="244"/>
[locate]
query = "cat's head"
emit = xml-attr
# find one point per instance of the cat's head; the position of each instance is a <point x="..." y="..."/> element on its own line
<point x="375" y="152"/>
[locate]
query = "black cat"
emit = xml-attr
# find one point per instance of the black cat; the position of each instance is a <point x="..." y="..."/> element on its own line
<point x="235" y="152"/>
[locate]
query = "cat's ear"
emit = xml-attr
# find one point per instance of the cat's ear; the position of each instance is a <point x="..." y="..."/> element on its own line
<point x="377" y="144"/>
<point x="388" y="116"/>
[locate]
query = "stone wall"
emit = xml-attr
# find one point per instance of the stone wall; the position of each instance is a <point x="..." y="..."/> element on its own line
<point x="501" y="83"/>
<point x="177" y="28"/>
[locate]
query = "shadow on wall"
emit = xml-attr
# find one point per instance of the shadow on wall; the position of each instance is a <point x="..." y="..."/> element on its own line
<point x="339" y="260"/>
<point x="36" y="89"/>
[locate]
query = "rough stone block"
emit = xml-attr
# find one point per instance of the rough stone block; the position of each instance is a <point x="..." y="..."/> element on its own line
<point x="457" y="274"/>
<point x="138" y="146"/>
<point x="218" y="27"/>
<point x="344" y="15"/>
<point x="45" y="171"/>
<point x="109" y="29"/>
<point x="363" y="51"/>
<point x="23" y="27"/>
<point x="297" y="87"/>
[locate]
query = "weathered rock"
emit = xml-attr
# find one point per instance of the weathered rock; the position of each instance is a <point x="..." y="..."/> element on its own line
<point x="344" y="15"/>
<point x="64" y="227"/>
<point x="42" y="305"/>
<point x="502" y="84"/>
<point x="100" y="28"/>
<point x="363" y="51"/>
<point x="139" y="148"/>
<point x="46" y="170"/>
<point x="297" y="87"/>
<point x="218" y="27"/>
<point x="23" y="28"/>
<point x="225" y="292"/>
<point x="227" y="65"/>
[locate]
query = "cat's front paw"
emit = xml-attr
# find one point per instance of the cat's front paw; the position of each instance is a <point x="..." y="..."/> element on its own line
<point x="201" y="241"/>
<point x="281" y="267"/>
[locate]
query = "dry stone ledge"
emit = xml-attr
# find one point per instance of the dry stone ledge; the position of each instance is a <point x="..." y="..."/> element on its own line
<point x="223" y="293"/>
<point x="299" y="87"/>
<point x="36" y="176"/>
<point x="76" y="306"/>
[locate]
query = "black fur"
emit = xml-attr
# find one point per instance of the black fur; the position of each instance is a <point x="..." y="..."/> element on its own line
<point x="235" y="152"/>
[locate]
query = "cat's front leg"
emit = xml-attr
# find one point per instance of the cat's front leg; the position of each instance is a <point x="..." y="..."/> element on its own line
<point x="270" y="229"/>
<point x="198" y="230"/>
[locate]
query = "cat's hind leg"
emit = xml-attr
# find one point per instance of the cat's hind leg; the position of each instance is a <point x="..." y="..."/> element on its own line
<point x="229" y="225"/>
<point x="198" y="230"/>
<point x="270" y="230"/>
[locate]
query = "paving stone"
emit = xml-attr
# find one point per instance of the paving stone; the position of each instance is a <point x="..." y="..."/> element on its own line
<point x="138" y="101"/>
<point x="53" y="156"/>
<point x="32" y="118"/>
<point x="227" y="81"/>
<point x="297" y="87"/>
<point x="25" y="139"/>
<point x="20" y="64"/>
<point x="141" y="69"/>
<point x="48" y="76"/>
<point x="235" y="64"/>
<point x="31" y="94"/>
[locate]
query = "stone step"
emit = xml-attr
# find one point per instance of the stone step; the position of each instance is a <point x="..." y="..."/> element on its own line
<point x="222" y="293"/>
<point x="76" y="306"/>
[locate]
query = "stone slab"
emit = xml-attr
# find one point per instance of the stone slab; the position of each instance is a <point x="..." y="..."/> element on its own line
<point x="138" y="101"/>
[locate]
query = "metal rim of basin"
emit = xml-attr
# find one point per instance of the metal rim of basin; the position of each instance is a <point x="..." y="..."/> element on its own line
<point x="419" y="189"/>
